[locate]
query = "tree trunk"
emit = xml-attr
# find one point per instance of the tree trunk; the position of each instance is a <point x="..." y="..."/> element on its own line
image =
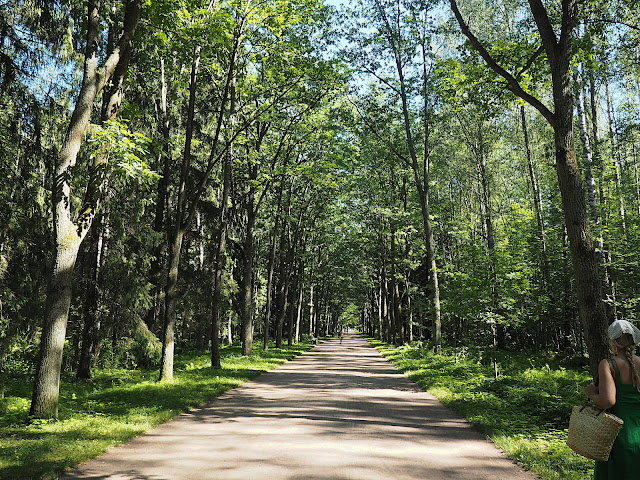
<point x="171" y="299"/>
<point x="299" y="303"/>
<point x="69" y="234"/>
<point x="175" y="234"/>
<point x="291" y="309"/>
<point x="270" y="271"/>
<point x="220" y="254"/>
<point x="594" y="208"/>
<point x="246" y="286"/>
<point x="407" y="287"/>
<point x="615" y="153"/>
<point x="282" y="305"/>
<point x="394" y="321"/>
<point x="283" y="277"/>
<point x="44" y="403"/>
<point x="496" y="328"/>
<point x="423" y="192"/>
<point x="381" y="307"/>
<point x="386" y="309"/>
<point x="537" y="202"/>
<point x="111" y="101"/>
<point x="421" y="179"/>
<point x="155" y="270"/>
<point x="312" y="314"/>
<point x="91" y="320"/>
<point x="636" y="172"/>
<point x="373" y="307"/>
<point x="220" y="264"/>
<point x="584" y="257"/>
<point x="583" y="253"/>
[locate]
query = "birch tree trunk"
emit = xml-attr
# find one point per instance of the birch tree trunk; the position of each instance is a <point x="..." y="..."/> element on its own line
<point x="594" y="207"/>
<point x="615" y="154"/>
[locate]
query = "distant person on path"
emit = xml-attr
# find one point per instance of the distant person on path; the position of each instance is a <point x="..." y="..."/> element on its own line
<point x="619" y="391"/>
<point x="340" y="335"/>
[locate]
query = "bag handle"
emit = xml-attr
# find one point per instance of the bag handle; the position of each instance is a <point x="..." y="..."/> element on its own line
<point x="589" y="403"/>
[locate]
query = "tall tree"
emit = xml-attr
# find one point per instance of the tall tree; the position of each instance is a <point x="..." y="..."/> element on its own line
<point x="191" y="188"/>
<point x="558" y="51"/>
<point x="70" y="229"/>
<point x="400" y="42"/>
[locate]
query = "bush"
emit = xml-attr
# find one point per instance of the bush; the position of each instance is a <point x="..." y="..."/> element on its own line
<point x="146" y="348"/>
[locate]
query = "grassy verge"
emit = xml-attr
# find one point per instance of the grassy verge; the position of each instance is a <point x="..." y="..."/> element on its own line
<point x="114" y="407"/>
<point x="525" y="412"/>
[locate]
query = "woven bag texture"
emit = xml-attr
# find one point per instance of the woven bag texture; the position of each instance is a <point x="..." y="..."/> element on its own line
<point x="592" y="432"/>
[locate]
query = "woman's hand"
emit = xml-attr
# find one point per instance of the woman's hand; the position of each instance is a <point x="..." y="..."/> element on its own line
<point x="590" y="390"/>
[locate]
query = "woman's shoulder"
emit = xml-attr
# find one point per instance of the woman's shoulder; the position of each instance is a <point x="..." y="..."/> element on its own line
<point x="608" y="365"/>
<point x="609" y="362"/>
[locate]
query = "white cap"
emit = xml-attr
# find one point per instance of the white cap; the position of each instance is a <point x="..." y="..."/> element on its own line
<point x="620" y="327"/>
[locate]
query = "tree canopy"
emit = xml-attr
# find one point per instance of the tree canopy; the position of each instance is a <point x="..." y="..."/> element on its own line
<point x="178" y="174"/>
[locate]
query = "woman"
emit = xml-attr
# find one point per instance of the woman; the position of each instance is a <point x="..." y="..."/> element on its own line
<point x="619" y="391"/>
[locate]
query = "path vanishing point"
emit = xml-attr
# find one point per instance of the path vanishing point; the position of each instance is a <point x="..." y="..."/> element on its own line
<point x="337" y="412"/>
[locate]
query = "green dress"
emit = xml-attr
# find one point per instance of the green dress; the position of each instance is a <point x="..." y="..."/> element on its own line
<point x="624" y="461"/>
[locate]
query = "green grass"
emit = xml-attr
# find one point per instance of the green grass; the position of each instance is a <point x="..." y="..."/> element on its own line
<point x="525" y="412"/>
<point x="113" y="407"/>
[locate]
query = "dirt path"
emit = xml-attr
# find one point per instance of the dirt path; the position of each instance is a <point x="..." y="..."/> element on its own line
<point x="340" y="411"/>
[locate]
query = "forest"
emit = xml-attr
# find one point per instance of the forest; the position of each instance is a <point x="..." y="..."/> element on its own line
<point x="176" y="176"/>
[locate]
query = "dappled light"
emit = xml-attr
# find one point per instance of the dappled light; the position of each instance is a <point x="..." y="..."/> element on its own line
<point x="339" y="411"/>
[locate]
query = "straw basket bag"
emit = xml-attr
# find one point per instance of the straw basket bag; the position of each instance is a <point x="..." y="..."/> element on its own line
<point x="592" y="432"/>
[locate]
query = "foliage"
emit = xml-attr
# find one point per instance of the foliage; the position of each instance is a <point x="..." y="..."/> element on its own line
<point x="318" y="137"/>
<point x="123" y="149"/>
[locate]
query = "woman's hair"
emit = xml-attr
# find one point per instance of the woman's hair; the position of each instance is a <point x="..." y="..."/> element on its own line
<point x="626" y="344"/>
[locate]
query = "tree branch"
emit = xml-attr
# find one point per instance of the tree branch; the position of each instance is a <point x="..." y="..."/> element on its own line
<point x="547" y="33"/>
<point x="614" y="22"/>
<point x="527" y="66"/>
<point x="131" y="17"/>
<point x="376" y="132"/>
<point x="566" y="34"/>
<point x="512" y="84"/>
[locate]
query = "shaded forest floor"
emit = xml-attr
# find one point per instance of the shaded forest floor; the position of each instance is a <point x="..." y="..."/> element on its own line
<point x="116" y="405"/>
<point x="525" y="412"/>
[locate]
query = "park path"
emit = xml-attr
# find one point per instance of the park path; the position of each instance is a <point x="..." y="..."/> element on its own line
<point x="337" y="412"/>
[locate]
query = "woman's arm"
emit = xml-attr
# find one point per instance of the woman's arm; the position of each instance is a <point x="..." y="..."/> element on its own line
<point x="604" y="396"/>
